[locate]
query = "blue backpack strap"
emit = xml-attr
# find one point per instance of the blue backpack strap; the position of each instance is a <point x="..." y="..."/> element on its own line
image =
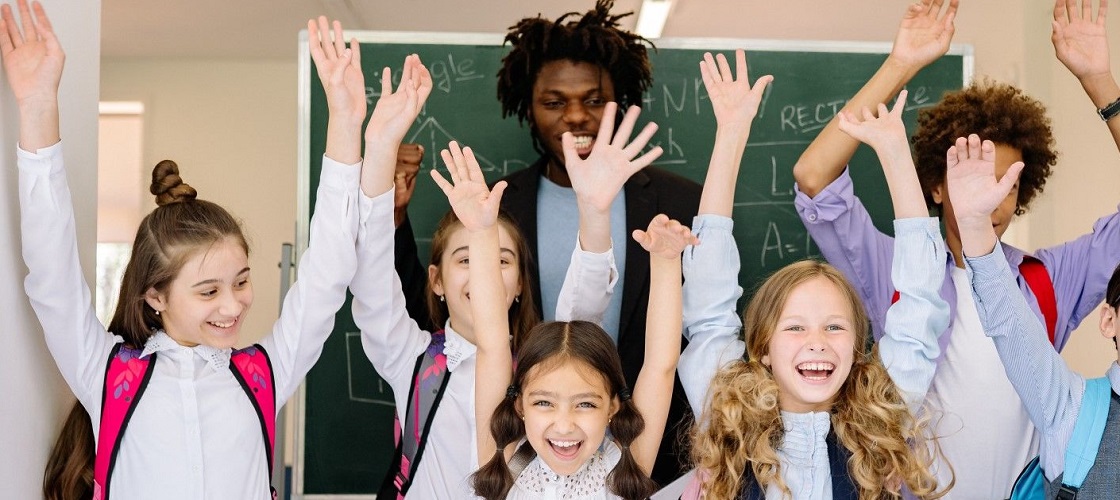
<point x="1081" y="453"/>
<point x="126" y="377"/>
<point x="429" y="380"/>
<point x="253" y="370"/>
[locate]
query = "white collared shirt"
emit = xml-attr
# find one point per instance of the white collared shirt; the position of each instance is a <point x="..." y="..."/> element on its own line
<point x="194" y="434"/>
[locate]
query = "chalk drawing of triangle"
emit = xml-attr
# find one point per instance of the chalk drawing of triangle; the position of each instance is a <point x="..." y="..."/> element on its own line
<point x="434" y="138"/>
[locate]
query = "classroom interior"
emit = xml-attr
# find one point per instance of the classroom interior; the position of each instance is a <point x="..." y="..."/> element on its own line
<point x="213" y="85"/>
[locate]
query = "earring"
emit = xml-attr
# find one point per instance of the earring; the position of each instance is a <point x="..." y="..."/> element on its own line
<point x="517" y="299"/>
<point x="441" y="299"/>
<point x="157" y="313"/>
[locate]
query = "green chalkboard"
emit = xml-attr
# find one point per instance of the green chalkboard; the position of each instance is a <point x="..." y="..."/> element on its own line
<point x="345" y="440"/>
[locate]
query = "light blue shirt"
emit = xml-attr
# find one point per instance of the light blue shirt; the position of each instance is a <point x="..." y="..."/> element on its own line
<point x="557" y="228"/>
<point x="1051" y="392"/>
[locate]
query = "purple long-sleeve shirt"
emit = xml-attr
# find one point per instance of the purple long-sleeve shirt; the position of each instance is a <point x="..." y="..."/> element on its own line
<point x="841" y="227"/>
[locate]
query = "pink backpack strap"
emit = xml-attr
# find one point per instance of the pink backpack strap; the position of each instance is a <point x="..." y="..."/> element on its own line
<point x="126" y="377"/>
<point x="253" y="370"/>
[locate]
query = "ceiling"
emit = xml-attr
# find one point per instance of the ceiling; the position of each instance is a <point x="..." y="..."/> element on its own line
<point x="269" y="28"/>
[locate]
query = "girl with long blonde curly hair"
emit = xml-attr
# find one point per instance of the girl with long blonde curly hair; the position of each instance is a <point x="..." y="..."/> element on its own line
<point x="800" y="408"/>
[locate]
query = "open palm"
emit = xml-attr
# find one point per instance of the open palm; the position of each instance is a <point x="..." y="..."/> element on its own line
<point x="734" y="101"/>
<point x="395" y="111"/>
<point x="339" y="69"/>
<point x="925" y="32"/>
<point x="1081" y="43"/>
<point x="971" y="178"/>
<point x="32" y="58"/>
<point x="612" y="161"/>
<point x="474" y="204"/>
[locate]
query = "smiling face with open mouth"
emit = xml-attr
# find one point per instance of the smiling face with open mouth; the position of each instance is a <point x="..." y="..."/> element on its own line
<point x="207" y="301"/>
<point x="569" y="96"/>
<point x="566" y="408"/>
<point x="812" y="348"/>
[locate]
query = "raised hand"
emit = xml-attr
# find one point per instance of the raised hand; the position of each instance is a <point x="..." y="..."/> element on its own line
<point x="734" y="101"/>
<point x="882" y="131"/>
<point x="924" y="33"/>
<point x="972" y="182"/>
<point x="474" y="204"/>
<point x="1080" y="42"/>
<point x="395" y="111"/>
<point x="597" y="179"/>
<point x="32" y="58"/>
<point x="665" y="237"/>
<point x="339" y="69"/>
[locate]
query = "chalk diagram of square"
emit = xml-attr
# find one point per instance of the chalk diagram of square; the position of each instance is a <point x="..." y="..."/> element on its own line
<point x="437" y="138"/>
<point x="384" y="395"/>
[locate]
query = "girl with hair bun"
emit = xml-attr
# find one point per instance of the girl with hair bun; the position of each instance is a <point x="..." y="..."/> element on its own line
<point x="204" y="423"/>
<point x="790" y="404"/>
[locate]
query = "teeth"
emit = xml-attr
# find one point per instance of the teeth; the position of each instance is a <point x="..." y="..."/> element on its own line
<point x="583" y="141"/>
<point x="816" y="366"/>
<point x="223" y="325"/>
<point x="563" y="444"/>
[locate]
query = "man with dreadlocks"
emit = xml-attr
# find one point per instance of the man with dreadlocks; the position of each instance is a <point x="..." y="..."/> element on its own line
<point x="558" y="78"/>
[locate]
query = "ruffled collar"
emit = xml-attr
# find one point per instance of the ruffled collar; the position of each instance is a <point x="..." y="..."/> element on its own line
<point x="805" y="435"/>
<point x="218" y="359"/>
<point x="456" y="348"/>
<point x="590" y="479"/>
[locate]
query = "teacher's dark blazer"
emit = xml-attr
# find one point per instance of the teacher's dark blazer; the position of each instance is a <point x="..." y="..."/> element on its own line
<point x="649" y="192"/>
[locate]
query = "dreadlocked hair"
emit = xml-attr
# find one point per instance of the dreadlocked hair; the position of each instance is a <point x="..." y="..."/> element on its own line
<point x="594" y="37"/>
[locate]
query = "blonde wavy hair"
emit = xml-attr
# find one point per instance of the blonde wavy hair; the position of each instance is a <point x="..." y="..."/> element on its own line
<point x="742" y="424"/>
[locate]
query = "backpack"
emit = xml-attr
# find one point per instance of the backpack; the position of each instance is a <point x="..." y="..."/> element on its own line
<point x="1081" y="452"/>
<point x="1038" y="280"/>
<point x="126" y="377"/>
<point x="429" y="379"/>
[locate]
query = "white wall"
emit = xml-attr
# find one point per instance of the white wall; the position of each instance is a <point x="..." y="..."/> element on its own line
<point x="35" y="400"/>
<point x="231" y="127"/>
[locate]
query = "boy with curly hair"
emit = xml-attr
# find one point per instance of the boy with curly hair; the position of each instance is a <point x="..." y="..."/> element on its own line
<point x="973" y="419"/>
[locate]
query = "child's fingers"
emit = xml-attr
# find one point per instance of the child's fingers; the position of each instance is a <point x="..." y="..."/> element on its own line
<point x="494" y="202"/>
<point x="1102" y="12"/>
<point x="881" y="110"/>
<point x="845" y="123"/>
<point x="452" y="168"/>
<point x="25" y="19"/>
<point x="741" y="65"/>
<point x="706" y="76"/>
<point x="631" y="150"/>
<point x="974" y="146"/>
<point x="424" y="77"/>
<point x="761" y="84"/>
<point x="356" y="53"/>
<point x="1011" y="176"/>
<point x="44" y="22"/>
<point x="900" y="103"/>
<point x="724" y="68"/>
<point x="339" y="41"/>
<point x="11" y="27"/>
<point x="622" y="135"/>
<point x="988" y="151"/>
<point x="952" y="157"/>
<point x="659" y="220"/>
<point x="386" y="82"/>
<point x="867" y="114"/>
<point x="444" y="186"/>
<point x="474" y="170"/>
<point x="642" y="238"/>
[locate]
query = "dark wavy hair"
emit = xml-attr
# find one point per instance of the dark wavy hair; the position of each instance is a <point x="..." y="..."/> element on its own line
<point x="548" y="346"/>
<point x="997" y="112"/>
<point x="594" y="37"/>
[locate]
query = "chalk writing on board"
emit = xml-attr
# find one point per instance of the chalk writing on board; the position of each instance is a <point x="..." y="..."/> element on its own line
<point x="807" y="118"/>
<point x="672" y="152"/>
<point x="772" y="246"/>
<point x="360" y="374"/>
<point x="678" y="96"/>
<point x="434" y="138"/>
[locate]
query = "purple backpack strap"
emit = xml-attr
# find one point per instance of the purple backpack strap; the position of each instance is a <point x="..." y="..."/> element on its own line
<point x="126" y="377"/>
<point x="253" y="370"/>
<point x="429" y="379"/>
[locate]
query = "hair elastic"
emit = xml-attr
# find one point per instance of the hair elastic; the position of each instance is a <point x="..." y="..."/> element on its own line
<point x="624" y="394"/>
<point x="511" y="391"/>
